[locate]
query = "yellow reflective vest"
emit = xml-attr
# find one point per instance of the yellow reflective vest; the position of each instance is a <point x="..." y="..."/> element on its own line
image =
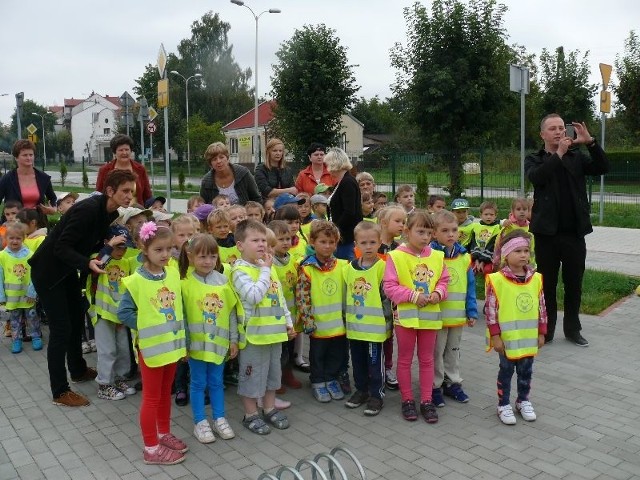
<point x="160" y="335"/>
<point x="17" y="276"/>
<point x="365" y="316"/>
<point x="518" y="317"/>
<point x="109" y="289"/>
<point x="484" y="233"/>
<point x="327" y="298"/>
<point x="299" y="251"/>
<point x="453" y="309"/>
<point x="229" y="254"/>
<point x="33" y="243"/>
<point x="420" y="274"/>
<point x="288" y="276"/>
<point x="135" y="261"/>
<point x="266" y="323"/>
<point x="465" y="233"/>
<point x="208" y="308"/>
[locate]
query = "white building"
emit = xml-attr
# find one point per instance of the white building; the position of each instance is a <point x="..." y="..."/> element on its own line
<point x="93" y="125"/>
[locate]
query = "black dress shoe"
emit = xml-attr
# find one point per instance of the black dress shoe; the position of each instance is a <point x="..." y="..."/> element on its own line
<point x="548" y="339"/>
<point x="578" y="339"/>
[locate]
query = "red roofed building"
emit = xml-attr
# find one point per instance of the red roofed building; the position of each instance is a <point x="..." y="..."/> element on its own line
<point x="239" y="134"/>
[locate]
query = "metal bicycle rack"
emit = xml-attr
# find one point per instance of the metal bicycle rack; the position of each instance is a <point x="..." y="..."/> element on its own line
<point x="317" y="471"/>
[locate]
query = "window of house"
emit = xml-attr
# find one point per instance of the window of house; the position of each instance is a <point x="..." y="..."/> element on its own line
<point x="107" y="131"/>
<point x="233" y="145"/>
<point x="343" y="142"/>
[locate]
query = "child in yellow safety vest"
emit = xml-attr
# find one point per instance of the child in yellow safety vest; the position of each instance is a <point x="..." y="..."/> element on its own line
<point x="36" y="231"/>
<point x="16" y="290"/>
<point x="267" y="323"/>
<point x="459" y="309"/>
<point x="483" y="238"/>
<point x="415" y="280"/>
<point x="320" y="300"/>
<point x="367" y="327"/>
<point x="212" y="309"/>
<point x="152" y="306"/>
<point x="516" y="322"/>
<point x="112" y="342"/>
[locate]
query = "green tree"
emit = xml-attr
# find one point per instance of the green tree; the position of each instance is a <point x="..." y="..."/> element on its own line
<point x="565" y="85"/>
<point x="628" y="88"/>
<point x="453" y="75"/>
<point x="313" y="85"/>
<point x="377" y="116"/>
<point x="201" y="135"/>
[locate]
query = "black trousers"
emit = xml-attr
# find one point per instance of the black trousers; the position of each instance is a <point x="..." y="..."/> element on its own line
<point x="326" y="357"/>
<point x="64" y="307"/>
<point x="571" y="252"/>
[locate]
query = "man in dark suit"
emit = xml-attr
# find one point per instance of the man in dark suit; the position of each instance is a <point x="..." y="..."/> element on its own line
<point x="54" y="272"/>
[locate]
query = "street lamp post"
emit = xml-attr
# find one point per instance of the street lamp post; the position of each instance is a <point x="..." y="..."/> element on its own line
<point x="186" y="96"/>
<point x="44" y="139"/>
<point x="255" y="76"/>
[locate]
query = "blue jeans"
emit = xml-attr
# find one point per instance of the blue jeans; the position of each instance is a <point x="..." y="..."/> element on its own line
<point x="206" y="375"/>
<point x="368" y="367"/>
<point x="524" y="370"/>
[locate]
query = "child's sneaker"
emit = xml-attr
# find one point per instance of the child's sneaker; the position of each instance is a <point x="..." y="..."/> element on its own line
<point x="222" y="428"/>
<point x="276" y="418"/>
<point x="171" y="441"/>
<point x="92" y="345"/>
<point x="36" y="344"/>
<point x="320" y="392"/>
<point x="109" y="392"/>
<point x="125" y="388"/>
<point x="345" y="384"/>
<point x="335" y="390"/>
<point x="437" y="398"/>
<point x="409" y="411"/>
<point x="390" y="379"/>
<point x="428" y="411"/>
<point x="86" y="348"/>
<point x="163" y="456"/>
<point x="202" y="432"/>
<point x="16" y="346"/>
<point x="357" y="399"/>
<point x="374" y="405"/>
<point x="455" y="391"/>
<point x="526" y="410"/>
<point x="505" y="414"/>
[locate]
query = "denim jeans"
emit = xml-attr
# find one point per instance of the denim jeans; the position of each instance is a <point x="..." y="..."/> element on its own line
<point x="524" y="370"/>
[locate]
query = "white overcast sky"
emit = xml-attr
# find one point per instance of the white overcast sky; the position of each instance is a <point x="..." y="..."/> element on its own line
<point x="56" y="50"/>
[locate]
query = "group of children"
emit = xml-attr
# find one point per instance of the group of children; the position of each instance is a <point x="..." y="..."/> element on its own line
<point x="227" y="284"/>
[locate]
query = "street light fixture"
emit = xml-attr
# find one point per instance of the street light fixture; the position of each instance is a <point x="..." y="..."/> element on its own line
<point x="255" y="75"/>
<point x="44" y="139"/>
<point x="186" y="96"/>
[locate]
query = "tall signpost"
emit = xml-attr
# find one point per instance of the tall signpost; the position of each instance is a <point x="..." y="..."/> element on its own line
<point x="127" y="101"/>
<point x="151" y="128"/>
<point x="163" y="102"/>
<point x="19" y="103"/>
<point x="143" y="116"/>
<point x="605" y="107"/>
<point x="519" y="83"/>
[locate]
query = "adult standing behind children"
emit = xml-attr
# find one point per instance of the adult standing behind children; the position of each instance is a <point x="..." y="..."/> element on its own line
<point x="26" y="184"/>
<point x="316" y="173"/>
<point x="121" y="147"/>
<point x="345" y="209"/>
<point x="560" y="215"/>
<point x="54" y="268"/>
<point x="274" y="177"/>
<point x="224" y="178"/>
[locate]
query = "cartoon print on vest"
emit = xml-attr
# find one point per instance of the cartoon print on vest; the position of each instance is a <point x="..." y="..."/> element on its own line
<point x="453" y="276"/>
<point x="114" y="275"/>
<point x="19" y="270"/>
<point x="210" y="305"/>
<point x="359" y="291"/>
<point x="463" y="237"/>
<point x="524" y="302"/>
<point x="163" y="301"/>
<point x="483" y="237"/>
<point x="272" y="294"/>
<point x="290" y="280"/>
<point x="421" y="276"/>
<point x="231" y="259"/>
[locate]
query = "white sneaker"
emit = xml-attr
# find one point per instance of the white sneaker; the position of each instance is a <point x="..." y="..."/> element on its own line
<point x="526" y="410"/>
<point x="281" y="404"/>
<point x="202" y="431"/>
<point x="506" y="416"/>
<point x="109" y="392"/>
<point x="125" y="388"/>
<point x="223" y="429"/>
<point x="86" y="348"/>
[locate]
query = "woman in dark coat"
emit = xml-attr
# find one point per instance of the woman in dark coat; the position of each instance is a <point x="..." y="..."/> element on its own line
<point x="273" y="177"/>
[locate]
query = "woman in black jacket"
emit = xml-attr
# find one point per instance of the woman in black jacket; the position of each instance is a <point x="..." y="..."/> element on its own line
<point x="345" y="204"/>
<point x="273" y="177"/>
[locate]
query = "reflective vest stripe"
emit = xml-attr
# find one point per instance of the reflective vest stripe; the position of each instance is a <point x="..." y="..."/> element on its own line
<point x="522" y="343"/>
<point x="372" y="311"/>
<point x="327" y="286"/>
<point x="331" y="324"/>
<point x="202" y="328"/>
<point x="13" y="286"/>
<point x="367" y="328"/>
<point x="269" y="311"/>
<point x="518" y="325"/>
<point x="451" y="313"/>
<point x="214" y="348"/>
<point x="107" y="307"/>
<point x="418" y="313"/>
<point x="162" y="348"/>
<point x="329" y="308"/>
<point x="168" y="327"/>
<point x="456" y="296"/>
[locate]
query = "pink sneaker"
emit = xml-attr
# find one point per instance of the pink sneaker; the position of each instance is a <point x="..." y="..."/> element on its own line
<point x="170" y="441"/>
<point x="163" y="456"/>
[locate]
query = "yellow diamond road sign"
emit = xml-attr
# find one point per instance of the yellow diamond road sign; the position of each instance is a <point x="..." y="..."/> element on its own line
<point x="162" y="60"/>
<point x="32" y="129"/>
<point x="605" y="71"/>
<point x="152" y="114"/>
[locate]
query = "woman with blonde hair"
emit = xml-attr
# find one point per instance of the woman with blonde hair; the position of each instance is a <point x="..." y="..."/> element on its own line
<point x="273" y="177"/>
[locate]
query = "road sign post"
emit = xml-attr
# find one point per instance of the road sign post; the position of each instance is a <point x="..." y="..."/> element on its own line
<point x="163" y="102"/>
<point x="519" y="82"/>
<point x="605" y="107"/>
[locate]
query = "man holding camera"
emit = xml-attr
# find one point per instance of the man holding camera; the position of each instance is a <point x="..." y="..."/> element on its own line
<point x="560" y="215"/>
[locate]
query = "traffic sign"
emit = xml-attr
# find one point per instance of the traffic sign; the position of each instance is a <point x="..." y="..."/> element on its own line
<point x="163" y="93"/>
<point x="32" y="129"/>
<point x="33" y="137"/>
<point x="151" y="128"/>
<point x="162" y="60"/>
<point x="126" y="100"/>
<point x="152" y="114"/>
<point x="605" y="71"/>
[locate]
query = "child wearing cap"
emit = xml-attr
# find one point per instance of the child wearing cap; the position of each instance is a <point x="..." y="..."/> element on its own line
<point x="319" y="204"/>
<point x="65" y="202"/>
<point x="156" y="203"/>
<point x="202" y="213"/>
<point x="322" y="189"/>
<point x="133" y="218"/>
<point x="104" y="292"/>
<point x="460" y="208"/>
